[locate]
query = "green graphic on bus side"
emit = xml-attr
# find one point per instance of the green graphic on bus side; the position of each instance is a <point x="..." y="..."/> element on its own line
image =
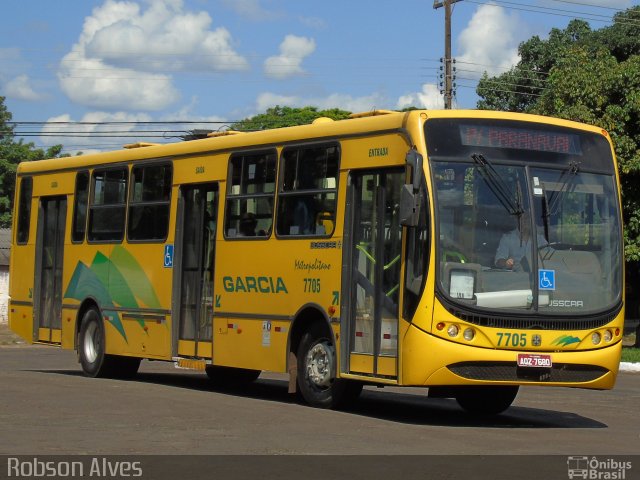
<point x="110" y="281"/>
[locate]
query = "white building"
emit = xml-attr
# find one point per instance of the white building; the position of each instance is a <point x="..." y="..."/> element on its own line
<point x="5" y="248"/>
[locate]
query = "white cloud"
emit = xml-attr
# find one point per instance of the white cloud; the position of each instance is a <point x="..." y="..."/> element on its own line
<point x="336" y="100"/>
<point x="293" y="51"/>
<point x="430" y="98"/>
<point x="123" y="52"/>
<point x="88" y="131"/>
<point x="96" y="131"/>
<point x="490" y="41"/>
<point x="20" y="88"/>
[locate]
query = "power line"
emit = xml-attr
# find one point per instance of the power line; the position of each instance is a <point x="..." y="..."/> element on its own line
<point x="594" y="17"/>
<point x="589" y="5"/>
<point x="131" y="122"/>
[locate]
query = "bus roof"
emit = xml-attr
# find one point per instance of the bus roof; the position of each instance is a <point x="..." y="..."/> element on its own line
<point x="359" y="123"/>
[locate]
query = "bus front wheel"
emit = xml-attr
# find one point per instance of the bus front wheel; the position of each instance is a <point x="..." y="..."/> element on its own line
<point x="317" y="380"/>
<point x="486" y="399"/>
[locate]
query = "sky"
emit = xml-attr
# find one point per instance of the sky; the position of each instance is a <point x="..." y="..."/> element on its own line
<point x="95" y="74"/>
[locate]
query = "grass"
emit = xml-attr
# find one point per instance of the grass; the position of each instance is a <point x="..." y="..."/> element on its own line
<point x="630" y="354"/>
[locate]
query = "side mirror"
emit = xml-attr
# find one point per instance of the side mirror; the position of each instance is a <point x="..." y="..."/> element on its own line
<point x="409" y="206"/>
<point x="414" y="160"/>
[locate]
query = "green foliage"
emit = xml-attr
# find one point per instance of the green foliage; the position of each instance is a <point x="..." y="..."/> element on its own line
<point x="278" y="117"/>
<point x="590" y="76"/>
<point x="11" y="153"/>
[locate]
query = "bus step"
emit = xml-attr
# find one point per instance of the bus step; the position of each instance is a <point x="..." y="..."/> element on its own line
<point x="190" y="363"/>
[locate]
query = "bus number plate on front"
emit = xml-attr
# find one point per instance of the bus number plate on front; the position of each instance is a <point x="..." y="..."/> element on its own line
<point x="534" y="360"/>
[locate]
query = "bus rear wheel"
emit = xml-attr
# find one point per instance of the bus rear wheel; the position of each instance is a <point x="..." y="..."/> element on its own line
<point x="91" y="347"/>
<point x="317" y="380"/>
<point x="486" y="399"/>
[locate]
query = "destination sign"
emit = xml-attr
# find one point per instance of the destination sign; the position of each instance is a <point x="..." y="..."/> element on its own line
<point x="519" y="138"/>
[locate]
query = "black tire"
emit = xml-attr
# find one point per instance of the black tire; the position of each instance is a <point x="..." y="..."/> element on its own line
<point x="91" y="348"/>
<point x="317" y="382"/>
<point x="486" y="400"/>
<point x="124" y="367"/>
<point x="231" y="377"/>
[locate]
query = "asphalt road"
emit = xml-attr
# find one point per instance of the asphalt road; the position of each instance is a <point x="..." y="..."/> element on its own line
<point x="48" y="407"/>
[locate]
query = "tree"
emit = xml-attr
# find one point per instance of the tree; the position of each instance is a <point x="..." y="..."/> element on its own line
<point x="11" y="153"/>
<point x="590" y="76"/>
<point x="278" y="117"/>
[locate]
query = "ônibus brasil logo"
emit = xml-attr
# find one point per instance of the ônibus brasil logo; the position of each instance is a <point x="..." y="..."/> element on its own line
<point x="597" y="469"/>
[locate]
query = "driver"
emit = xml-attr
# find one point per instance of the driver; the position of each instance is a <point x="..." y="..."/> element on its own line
<point x="514" y="249"/>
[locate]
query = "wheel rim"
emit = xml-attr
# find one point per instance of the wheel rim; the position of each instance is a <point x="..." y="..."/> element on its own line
<point x="91" y="345"/>
<point x="319" y="364"/>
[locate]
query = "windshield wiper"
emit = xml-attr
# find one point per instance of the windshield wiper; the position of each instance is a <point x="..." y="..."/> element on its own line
<point x="498" y="185"/>
<point x="550" y="206"/>
<point x="568" y="176"/>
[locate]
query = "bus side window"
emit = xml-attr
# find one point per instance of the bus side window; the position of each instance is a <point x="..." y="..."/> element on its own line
<point x="308" y="190"/>
<point x="107" y="208"/>
<point x="250" y="192"/>
<point x="80" y="207"/>
<point x="24" y="210"/>
<point x="149" y="202"/>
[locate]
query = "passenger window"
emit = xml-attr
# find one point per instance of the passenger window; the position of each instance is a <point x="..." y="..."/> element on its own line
<point x="307" y="196"/>
<point x="24" y="210"/>
<point x="250" y="192"/>
<point x="80" y="207"/>
<point x="108" y="205"/>
<point x="149" y="203"/>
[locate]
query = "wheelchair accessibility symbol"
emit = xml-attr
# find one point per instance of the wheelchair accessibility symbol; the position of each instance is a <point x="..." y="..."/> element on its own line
<point x="168" y="256"/>
<point x="547" y="279"/>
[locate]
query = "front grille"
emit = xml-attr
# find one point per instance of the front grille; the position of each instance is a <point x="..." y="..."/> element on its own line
<point x="510" y="372"/>
<point x="536" y="322"/>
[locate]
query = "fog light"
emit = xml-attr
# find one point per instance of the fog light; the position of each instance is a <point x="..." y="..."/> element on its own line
<point x="595" y="338"/>
<point x="608" y="336"/>
<point x="469" y="333"/>
<point x="452" y="330"/>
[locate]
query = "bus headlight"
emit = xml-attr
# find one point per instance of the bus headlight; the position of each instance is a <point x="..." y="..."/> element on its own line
<point x="453" y="331"/>
<point x="596" y="338"/>
<point x="608" y="336"/>
<point x="469" y="333"/>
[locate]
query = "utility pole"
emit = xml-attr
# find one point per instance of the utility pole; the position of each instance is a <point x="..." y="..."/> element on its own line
<point x="448" y="70"/>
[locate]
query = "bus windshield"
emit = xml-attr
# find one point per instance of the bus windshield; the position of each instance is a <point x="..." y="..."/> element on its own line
<point x="526" y="227"/>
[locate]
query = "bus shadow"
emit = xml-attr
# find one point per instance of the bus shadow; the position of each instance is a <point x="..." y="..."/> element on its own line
<point x="414" y="409"/>
<point x="421" y="410"/>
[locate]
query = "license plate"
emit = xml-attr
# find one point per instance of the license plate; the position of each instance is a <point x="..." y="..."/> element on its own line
<point x="534" y="360"/>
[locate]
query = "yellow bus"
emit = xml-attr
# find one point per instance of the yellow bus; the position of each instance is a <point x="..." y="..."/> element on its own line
<point x="470" y="252"/>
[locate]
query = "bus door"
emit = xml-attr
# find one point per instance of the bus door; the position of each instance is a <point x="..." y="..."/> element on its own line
<point x="52" y="216"/>
<point x="193" y="275"/>
<point x="374" y="243"/>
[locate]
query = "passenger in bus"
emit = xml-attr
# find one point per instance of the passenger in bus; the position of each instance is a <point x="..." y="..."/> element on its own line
<point x="248" y="225"/>
<point x="514" y="249"/>
<point x="303" y="215"/>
